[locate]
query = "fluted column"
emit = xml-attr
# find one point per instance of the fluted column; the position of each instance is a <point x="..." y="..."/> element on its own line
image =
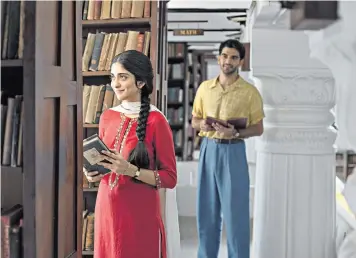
<point x="294" y="196"/>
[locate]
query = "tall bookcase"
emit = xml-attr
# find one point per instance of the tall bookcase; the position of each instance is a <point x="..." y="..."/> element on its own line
<point x="177" y="96"/>
<point x="110" y="27"/>
<point x="345" y="163"/>
<point x="199" y="75"/>
<point x="41" y="135"/>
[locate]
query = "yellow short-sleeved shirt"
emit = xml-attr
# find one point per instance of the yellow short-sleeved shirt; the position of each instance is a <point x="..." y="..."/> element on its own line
<point x="241" y="99"/>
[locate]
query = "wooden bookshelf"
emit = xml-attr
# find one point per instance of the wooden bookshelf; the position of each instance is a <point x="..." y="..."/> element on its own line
<point x="198" y="69"/>
<point x="155" y="23"/>
<point x="345" y="164"/>
<point x="117" y="22"/>
<point x="46" y="74"/>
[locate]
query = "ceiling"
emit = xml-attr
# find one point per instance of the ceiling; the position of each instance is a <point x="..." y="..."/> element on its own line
<point x="213" y="17"/>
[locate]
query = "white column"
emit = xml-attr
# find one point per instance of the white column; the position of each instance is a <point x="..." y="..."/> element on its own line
<point x="335" y="46"/>
<point x="295" y="196"/>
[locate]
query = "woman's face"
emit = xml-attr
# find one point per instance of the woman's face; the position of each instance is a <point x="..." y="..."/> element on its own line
<point x="123" y="84"/>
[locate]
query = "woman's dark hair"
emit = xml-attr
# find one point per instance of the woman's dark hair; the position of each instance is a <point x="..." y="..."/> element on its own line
<point x="140" y="66"/>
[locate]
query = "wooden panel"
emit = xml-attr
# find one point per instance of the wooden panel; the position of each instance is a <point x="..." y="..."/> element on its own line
<point x="58" y="131"/>
<point x="47" y="178"/>
<point x="29" y="129"/>
<point x="163" y="56"/>
<point x="153" y="49"/>
<point x="246" y="65"/>
<point x="79" y="124"/>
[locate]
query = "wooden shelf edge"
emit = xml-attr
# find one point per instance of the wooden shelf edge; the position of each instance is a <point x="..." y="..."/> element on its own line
<point x="9" y="169"/>
<point x="90" y="125"/>
<point x="11" y="63"/>
<point x="116" y="22"/>
<point x="98" y="73"/>
<point x="87" y="252"/>
<point x="94" y="189"/>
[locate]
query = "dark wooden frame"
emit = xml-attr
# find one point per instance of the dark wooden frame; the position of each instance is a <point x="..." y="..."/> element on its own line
<point x="52" y="134"/>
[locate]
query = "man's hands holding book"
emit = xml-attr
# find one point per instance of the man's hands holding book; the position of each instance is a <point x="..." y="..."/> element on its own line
<point x="205" y="127"/>
<point x="223" y="131"/>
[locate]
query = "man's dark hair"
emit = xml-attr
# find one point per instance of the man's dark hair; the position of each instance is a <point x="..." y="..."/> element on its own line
<point x="233" y="43"/>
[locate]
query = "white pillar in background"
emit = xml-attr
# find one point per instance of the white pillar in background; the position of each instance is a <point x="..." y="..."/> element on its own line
<point x="294" y="197"/>
<point x="335" y="46"/>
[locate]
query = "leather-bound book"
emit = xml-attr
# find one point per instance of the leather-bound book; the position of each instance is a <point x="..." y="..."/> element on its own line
<point x="116" y="8"/>
<point x="99" y="104"/>
<point x="147" y="9"/>
<point x="97" y="9"/>
<point x="137" y="9"/>
<point x="92" y="153"/>
<point x="126" y="9"/>
<point x="89" y="238"/>
<point x="99" y="39"/>
<point x="238" y="123"/>
<point x="13" y="29"/>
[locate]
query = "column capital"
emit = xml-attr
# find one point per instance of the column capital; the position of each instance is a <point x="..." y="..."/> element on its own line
<point x="298" y="110"/>
<point x="335" y="47"/>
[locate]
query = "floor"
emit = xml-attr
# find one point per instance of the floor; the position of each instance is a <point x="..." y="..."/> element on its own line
<point x="189" y="239"/>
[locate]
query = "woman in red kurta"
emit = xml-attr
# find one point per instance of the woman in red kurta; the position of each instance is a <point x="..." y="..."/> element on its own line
<point x="128" y="221"/>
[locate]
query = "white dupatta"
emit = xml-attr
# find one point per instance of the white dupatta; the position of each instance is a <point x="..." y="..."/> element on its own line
<point x="169" y="207"/>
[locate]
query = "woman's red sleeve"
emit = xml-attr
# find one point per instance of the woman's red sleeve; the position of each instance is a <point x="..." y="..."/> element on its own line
<point x="165" y="154"/>
<point x="102" y="125"/>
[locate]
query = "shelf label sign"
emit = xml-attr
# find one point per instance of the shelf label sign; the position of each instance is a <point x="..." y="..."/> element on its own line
<point x="188" y="32"/>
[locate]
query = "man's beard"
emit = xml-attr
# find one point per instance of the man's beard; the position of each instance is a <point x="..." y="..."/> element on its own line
<point x="230" y="71"/>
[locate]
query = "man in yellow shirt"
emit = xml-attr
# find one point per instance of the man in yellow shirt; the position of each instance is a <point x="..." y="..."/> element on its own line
<point x="223" y="180"/>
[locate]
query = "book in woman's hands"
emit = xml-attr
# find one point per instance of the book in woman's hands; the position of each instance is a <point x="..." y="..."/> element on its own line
<point x="92" y="153"/>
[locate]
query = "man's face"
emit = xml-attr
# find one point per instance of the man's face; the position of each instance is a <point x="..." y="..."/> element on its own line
<point x="229" y="61"/>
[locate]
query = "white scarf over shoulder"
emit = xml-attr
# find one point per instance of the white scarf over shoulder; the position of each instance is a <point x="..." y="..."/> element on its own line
<point x="132" y="108"/>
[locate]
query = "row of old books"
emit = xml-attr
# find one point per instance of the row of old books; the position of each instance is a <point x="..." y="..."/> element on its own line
<point x="175" y="95"/>
<point x="115" y="9"/>
<point x="11" y="130"/>
<point x="175" y="115"/>
<point x="176" y="50"/>
<point x="88" y="231"/>
<point x="101" y="47"/>
<point x="178" y="138"/>
<point x="11" y="232"/>
<point x="96" y="99"/>
<point x="12" y="28"/>
<point x="175" y="71"/>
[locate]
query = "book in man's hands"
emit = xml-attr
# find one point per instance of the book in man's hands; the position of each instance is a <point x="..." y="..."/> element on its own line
<point x="238" y="123"/>
<point x="92" y="153"/>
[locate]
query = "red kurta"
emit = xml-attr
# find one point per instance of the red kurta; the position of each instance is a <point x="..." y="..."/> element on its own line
<point x="128" y="221"/>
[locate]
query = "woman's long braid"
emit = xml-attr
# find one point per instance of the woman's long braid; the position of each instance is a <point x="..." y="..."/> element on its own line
<point x="143" y="116"/>
<point x="139" y="156"/>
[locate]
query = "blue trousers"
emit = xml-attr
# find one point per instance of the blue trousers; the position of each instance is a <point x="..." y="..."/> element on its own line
<point x="223" y="190"/>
